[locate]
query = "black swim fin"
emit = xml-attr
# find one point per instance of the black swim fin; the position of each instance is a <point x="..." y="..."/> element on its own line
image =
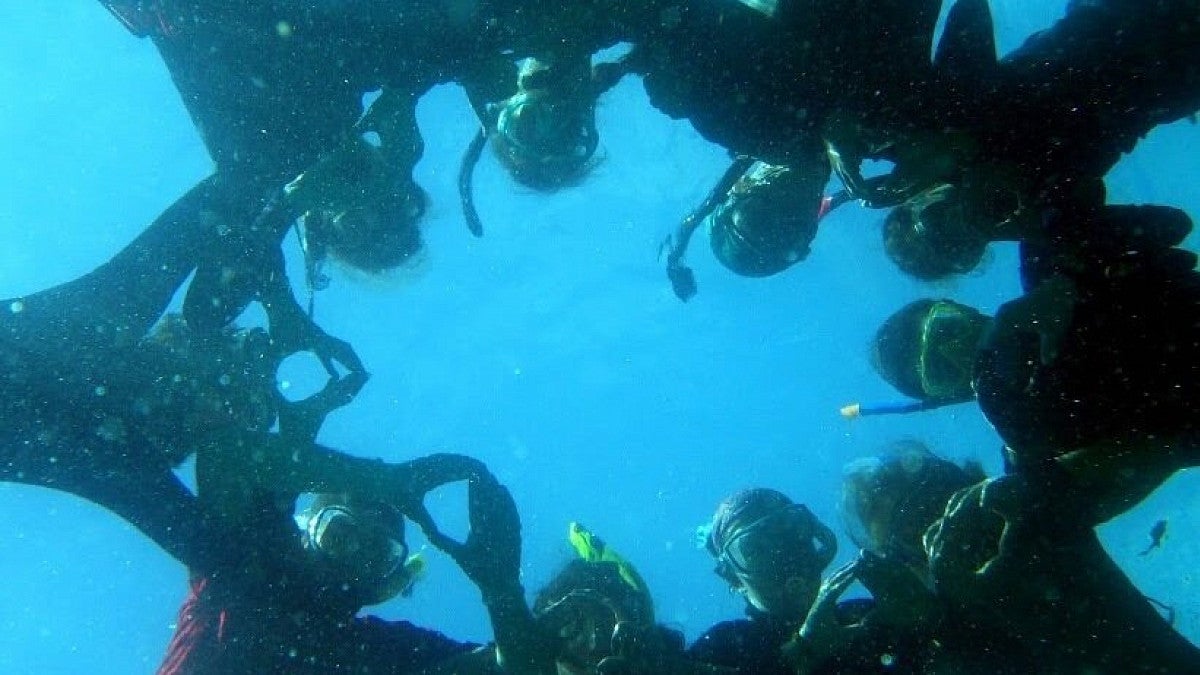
<point x="967" y="50"/>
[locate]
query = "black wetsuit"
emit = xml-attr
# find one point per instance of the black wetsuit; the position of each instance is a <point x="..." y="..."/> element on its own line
<point x="749" y="645"/>
<point x="755" y="646"/>
<point x="1129" y="361"/>
<point x="91" y="410"/>
<point x="274" y="86"/>
<point x="1072" y="98"/>
<point x="1051" y="599"/>
<point x="71" y="373"/>
<point x="268" y="610"/>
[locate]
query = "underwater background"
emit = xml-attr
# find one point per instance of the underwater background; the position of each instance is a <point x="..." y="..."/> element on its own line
<point x="553" y="348"/>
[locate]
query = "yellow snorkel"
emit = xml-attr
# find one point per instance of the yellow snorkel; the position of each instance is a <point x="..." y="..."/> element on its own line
<point x="592" y="549"/>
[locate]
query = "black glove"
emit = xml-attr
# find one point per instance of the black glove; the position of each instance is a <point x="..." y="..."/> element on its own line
<point x="491" y="554"/>
<point x="413" y="479"/>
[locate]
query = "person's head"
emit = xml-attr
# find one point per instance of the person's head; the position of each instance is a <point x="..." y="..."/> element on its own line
<point x="372" y="236"/>
<point x="931" y="236"/>
<point x="889" y="501"/>
<point x="197" y="383"/>
<point x="582" y="605"/>
<point x="767" y="221"/>
<point x="770" y="549"/>
<point x="359" y="547"/>
<point x="927" y="349"/>
<point x="359" y="209"/>
<point x="546" y="133"/>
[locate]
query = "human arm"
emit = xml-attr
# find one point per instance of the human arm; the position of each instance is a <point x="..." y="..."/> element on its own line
<point x="119" y="301"/>
<point x="1028" y="568"/>
<point x="230" y="471"/>
<point x="900" y="619"/>
<point x="491" y="558"/>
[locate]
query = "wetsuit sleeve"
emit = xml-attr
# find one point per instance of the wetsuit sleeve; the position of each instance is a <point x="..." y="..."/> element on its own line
<point x="402" y="647"/>
<point x="107" y="473"/>
<point x="747" y="646"/>
<point x="119" y="301"/>
<point x="1092" y="84"/>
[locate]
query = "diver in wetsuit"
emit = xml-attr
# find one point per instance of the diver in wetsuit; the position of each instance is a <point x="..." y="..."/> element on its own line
<point x="276" y="90"/>
<point x="102" y="407"/>
<point x="1028" y="136"/>
<point x="772" y="551"/>
<point x="288" y="601"/>
<point x="1020" y="560"/>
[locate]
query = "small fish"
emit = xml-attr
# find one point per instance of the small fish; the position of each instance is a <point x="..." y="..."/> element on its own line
<point x="1158" y="532"/>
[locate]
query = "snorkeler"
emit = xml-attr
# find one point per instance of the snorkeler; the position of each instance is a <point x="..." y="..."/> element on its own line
<point x="1074" y="97"/>
<point x="761" y="220"/>
<point x="1034" y="364"/>
<point x="292" y="606"/>
<point x="888" y="501"/>
<point x="277" y="92"/>
<point x="1015" y="559"/>
<point x="545" y="134"/>
<point x="106" y="396"/>
<point x="596" y="615"/>
<point x="772" y="551"/>
<point x="286" y="600"/>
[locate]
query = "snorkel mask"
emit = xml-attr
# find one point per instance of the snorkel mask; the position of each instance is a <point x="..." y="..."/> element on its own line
<point x="763" y="534"/>
<point x="887" y="502"/>
<point x="545" y="141"/>
<point x="546" y="134"/>
<point x="931" y="236"/>
<point x="363" y="544"/>
<point x="767" y="221"/>
<point x="950" y="337"/>
<point x="927" y="351"/>
<point x="356" y="207"/>
<point x="754" y="550"/>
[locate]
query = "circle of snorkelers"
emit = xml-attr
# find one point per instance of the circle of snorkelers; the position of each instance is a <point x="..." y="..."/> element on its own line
<point x="1089" y="377"/>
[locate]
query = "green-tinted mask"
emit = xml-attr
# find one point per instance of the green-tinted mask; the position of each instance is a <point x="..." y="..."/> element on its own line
<point x="950" y="335"/>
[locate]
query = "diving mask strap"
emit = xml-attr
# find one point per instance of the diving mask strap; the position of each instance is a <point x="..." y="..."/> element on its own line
<point x="825" y="541"/>
<point x="315" y="278"/>
<point x="321" y="521"/>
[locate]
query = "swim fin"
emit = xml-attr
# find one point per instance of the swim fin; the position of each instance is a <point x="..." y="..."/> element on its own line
<point x="967" y="50"/>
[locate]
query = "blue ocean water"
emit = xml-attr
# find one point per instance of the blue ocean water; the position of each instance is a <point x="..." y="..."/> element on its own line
<point x="552" y="348"/>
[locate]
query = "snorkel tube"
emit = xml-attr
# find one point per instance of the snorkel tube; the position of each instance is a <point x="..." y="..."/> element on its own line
<point x="855" y="410"/>
<point x="466" y="180"/>
<point x="683" y="280"/>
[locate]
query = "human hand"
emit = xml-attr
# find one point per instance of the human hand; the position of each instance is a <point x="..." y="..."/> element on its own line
<point x="301" y="420"/>
<point x="1046" y="311"/>
<point x="293" y="332"/>
<point x="962" y="544"/>
<point x="407" y="483"/>
<point x="821" y="630"/>
<point x="491" y="554"/>
<point x="902" y="599"/>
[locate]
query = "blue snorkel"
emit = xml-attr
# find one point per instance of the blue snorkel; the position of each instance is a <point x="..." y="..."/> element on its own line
<point x="855" y="410"/>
